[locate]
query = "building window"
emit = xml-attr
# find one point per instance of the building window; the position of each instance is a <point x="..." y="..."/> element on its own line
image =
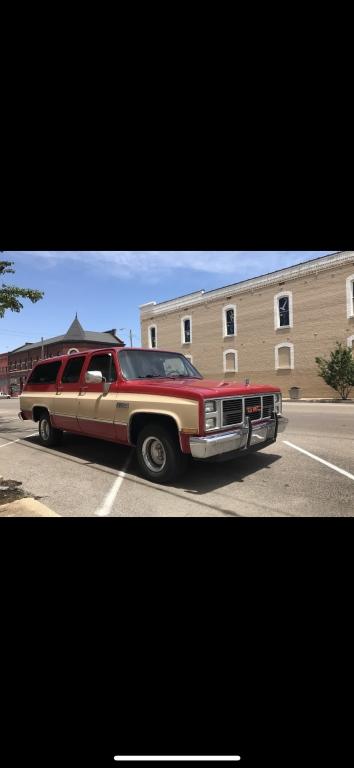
<point x="186" y="330"/>
<point x="230" y="361"/>
<point x="190" y="358"/>
<point x="283" y="310"/>
<point x="350" y="342"/>
<point x="229" y="320"/>
<point x="350" y="296"/>
<point x="152" y="336"/>
<point x="284" y="356"/>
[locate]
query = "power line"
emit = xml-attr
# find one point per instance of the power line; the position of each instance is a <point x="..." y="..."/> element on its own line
<point x="15" y="333"/>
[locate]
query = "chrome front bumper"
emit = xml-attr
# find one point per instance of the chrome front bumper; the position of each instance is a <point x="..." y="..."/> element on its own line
<point x="282" y="423"/>
<point x="242" y="438"/>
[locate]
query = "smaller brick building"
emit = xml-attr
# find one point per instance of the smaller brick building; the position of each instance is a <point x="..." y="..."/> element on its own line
<point x="4" y="379"/>
<point x="76" y="339"/>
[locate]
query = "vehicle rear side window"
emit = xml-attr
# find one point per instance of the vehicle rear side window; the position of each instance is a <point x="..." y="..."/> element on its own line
<point x="72" y="370"/>
<point x="45" y="373"/>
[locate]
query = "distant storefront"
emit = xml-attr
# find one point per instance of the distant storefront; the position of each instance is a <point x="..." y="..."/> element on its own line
<point x="4" y="378"/>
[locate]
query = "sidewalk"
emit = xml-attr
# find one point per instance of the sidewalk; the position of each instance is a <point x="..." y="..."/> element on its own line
<point x="336" y="400"/>
<point x="26" y="508"/>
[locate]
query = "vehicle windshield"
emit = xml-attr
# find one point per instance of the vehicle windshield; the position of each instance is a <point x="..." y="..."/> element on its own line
<point x="141" y="364"/>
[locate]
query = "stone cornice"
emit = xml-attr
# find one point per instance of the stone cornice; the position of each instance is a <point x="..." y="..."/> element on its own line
<point x="151" y="309"/>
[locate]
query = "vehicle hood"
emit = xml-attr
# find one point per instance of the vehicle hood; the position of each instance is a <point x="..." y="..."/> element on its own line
<point x="197" y="388"/>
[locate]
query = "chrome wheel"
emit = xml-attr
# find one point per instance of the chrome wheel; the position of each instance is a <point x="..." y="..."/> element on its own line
<point x="44" y="429"/>
<point x="154" y="454"/>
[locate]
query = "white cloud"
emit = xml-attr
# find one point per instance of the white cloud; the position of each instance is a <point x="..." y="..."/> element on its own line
<point x="150" y="266"/>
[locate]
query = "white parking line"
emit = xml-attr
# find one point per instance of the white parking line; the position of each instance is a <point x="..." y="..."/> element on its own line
<point x="18" y="439"/>
<point x="5" y="419"/>
<point x="105" y="508"/>
<point x="177" y="758"/>
<point x="327" y="463"/>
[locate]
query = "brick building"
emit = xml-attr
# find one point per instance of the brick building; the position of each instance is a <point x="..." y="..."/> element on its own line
<point x="268" y="329"/>
<point x="4" y="379"/>
<point x="76" y="339"/>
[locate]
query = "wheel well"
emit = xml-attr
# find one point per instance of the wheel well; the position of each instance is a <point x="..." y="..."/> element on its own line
<point x="37" y="412"/>
<point x="139" y="421"/>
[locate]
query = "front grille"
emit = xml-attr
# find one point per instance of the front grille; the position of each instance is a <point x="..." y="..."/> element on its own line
<point x="234" y="410"/>
<point x="253" y="408"/>
<point x="231" y="412"/>
<point x="268" y="406"/>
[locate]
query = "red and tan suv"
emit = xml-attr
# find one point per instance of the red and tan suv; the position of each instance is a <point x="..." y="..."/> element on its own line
<point x="154" y="400"/>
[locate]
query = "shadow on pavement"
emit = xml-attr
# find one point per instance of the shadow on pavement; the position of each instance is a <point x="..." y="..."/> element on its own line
<point x="200" y="477"/>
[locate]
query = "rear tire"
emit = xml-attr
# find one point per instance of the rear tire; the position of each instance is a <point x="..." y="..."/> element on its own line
<point x="48" y="435"/>
<point x="159" y="455"/>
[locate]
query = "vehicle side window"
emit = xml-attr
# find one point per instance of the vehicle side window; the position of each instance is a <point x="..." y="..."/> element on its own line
<point x="45" y="373"/>
<point x="105" y="364"/>
<point x="72" y="370"/>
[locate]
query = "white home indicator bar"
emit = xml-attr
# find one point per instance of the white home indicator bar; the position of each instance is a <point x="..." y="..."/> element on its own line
<point x="177" y="758"/>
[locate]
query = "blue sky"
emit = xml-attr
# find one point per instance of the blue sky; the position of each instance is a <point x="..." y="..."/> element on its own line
<point x="105" y="288"/>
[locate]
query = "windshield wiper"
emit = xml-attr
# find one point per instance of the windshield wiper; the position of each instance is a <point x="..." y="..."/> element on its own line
<point x="182" y="376"/>
<point x="151" y="376"/>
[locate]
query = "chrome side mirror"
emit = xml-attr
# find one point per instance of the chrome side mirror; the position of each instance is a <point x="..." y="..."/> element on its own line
<point x="93" y="377"/>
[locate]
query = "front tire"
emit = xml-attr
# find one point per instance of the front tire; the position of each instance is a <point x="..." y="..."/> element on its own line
<point x="159" y="455"/>
<point x="48" y="435"/>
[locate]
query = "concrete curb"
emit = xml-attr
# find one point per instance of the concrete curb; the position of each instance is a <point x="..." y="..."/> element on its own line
<point x="26" y="508"/>
<point x="318" y="400"/>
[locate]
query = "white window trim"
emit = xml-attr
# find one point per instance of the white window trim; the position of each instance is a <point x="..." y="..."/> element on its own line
<point x="149" y="336"/>
<point x="350" y="300"/>
<point x="190" y="358"/>
<point x="276" y="310"/>
<point x="292" y="363"/>
<point x="186" y="317"/>
<point x="71" y="351"/>
<point x="224" y="324"/>
<point x="350" y="341"/>
<point x="234" y="353"/>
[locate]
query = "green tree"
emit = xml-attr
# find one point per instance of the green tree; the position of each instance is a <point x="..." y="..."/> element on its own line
<point x="338" y="371"/>
<point x="10" y="294"/>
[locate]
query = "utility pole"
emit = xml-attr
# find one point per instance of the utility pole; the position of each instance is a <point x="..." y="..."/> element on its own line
<point x="42" y="352"/>
<point x="130" y="334"/>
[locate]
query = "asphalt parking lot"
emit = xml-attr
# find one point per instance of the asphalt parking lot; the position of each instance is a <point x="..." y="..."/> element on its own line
<point x="309" y="471"/>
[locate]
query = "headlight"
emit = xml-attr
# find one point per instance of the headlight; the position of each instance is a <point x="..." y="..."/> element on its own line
<point x="212" y="414"/>
<point x="278" y="403"/>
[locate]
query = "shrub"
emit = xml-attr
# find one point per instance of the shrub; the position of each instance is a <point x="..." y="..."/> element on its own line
<point x="338" y="371"/>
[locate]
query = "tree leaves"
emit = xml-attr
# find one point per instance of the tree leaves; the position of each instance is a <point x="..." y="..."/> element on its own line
<point x="338" y="371"/>
<point x="10" y="294"/>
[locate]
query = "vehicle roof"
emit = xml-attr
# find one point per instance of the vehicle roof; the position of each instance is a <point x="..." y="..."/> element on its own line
<point x="85" y="352"/>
